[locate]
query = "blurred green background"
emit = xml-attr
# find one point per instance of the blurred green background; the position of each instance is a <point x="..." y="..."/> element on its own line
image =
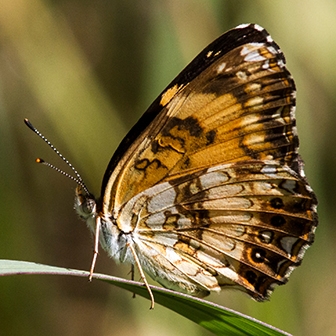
<point x="83" y="72"/>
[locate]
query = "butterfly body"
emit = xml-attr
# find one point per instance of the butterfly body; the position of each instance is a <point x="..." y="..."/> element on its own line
<point x="208" y="190"/>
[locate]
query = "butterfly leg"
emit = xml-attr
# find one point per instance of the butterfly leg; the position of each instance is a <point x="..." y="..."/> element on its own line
<point x="132" y="277"/>
<point x="95" y="250"/>
<point x="142" y="274"/>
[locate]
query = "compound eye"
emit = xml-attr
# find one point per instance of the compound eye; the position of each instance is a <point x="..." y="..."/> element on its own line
<point x="89" y="206"/>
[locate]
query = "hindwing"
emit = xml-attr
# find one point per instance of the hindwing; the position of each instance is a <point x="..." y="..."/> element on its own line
<point x="244" y="225"/>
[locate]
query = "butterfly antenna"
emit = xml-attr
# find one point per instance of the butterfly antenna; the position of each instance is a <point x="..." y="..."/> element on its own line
<point x="78" y="179"/>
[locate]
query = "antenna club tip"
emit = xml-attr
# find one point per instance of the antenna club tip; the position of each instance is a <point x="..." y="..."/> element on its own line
<point x="28" y="123"/>
<point x="39" y="160"/>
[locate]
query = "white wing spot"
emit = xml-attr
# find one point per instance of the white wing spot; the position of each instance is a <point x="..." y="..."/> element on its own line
<point x="184" y="222"/>
<point x="224" y="191"/>
<point x="289" y="185"/>
<point x="253" y="87"/>
<point x="162" y="200"/>
<point x="266" y="65"/>
<point x="251" y="139"/>
<point x="269" y="39"/>
<point x="157" y="219"/>
<point x="269" y="170"/>
<point x="213" y="179"/>
<point x="254" y="56"/>
<point x="272" y="50"/>
<point x="266" y="236"/>
<point x="278" y="115"/>
<point x="243" y="25"/>
<point x="287" y="244"/>
<point x="241" y="75"/>
<point x="254" y="102"/>
<point x="249" y="119"/>
<point x="221" y="67"/>
<point x="281" y="63"/>
<point x="228" y="273"/>
<point x="257" y="27"/>
<point x="171" y="255"/>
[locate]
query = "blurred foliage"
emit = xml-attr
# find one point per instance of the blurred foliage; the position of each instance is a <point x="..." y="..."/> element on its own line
<point x="83" y="72"/>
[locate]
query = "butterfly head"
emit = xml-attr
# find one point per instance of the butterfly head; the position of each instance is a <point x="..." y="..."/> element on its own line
<point x="85" y="204"/>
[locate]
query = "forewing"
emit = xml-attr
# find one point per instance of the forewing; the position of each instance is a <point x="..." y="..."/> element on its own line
<point x="234" y="102"/>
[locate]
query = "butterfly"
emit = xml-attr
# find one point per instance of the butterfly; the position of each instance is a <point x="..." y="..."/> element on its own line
<point x="207" y="191"/>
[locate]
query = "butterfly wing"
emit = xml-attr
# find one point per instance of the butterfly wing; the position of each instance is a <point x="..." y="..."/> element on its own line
<point x="231" y="110"/>
<point x="244" y="225"/>
<point x="238" y="105"/>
